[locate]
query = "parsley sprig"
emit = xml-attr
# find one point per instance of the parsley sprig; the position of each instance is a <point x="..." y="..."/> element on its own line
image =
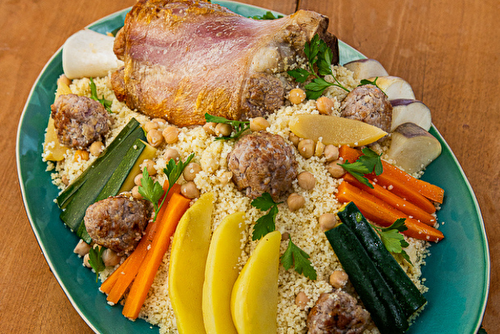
<point x="267" y="16"/>
<point x="266" y="223"/>
<point x="153" y="191"/>
<point x="368" y="82"/>
<point x="365" y="164"/>
<point x="96" y="261"/>
<point x="93" y="95"/>
<point x="296" y="257"/>
<point x="392" y="238"/>
<point x="318" y="53"/>
<point x="240" y="127"/>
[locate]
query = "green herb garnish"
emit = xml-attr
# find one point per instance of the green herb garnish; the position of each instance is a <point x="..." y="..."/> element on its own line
<point x="93" y="95"/>
<point x="266" y="223"/>
<point x="318" y="53"/>
<point x="365" y="164"/>
<point x="267" y="16"/>
<point x="392" y="239"/>
<point x="95" y="260"/>
<point x="296" y="257"/>
<point x="368" y="82"/>
<point x="240" y="127"/>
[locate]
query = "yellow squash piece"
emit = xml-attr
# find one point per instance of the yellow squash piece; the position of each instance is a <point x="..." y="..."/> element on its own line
<point x="254" y="299"/>
<point x="220" y="274"/>
<point x="187" y="265"/>
<point x="335" y="130"/>
<point x="148" y="154"/>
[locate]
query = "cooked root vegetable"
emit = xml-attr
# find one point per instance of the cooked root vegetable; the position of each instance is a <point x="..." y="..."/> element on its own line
<point x="394" y="87"/>
<point x="147" y="154"/>
<point x="187" y="265"/>
<point x="413" y="111"/>
<point x="366" y="68"/>
<point x="89" y="54"/>
<point x="413" y="148"/>
<point x="335" y="130"/>
<point x="254" y="299"/>
<point x="220" y="274"/>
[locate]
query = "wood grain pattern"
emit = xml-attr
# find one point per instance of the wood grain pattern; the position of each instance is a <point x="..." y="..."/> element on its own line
<point x="447" y="50"/>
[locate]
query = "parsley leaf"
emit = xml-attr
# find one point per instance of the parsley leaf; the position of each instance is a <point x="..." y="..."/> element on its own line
<point x="368" y="82"/>
<point x="95" y="260"/>
<point x="240" y="127"/>
<point x="267" y="16"/>
<point x="296" y="257"/>
<point x="266" y="223"/>
<point x="392" y="239"/>
<point x="365" y="164"/>
<point x="151" y="191"/>
<point x="93" y="95"/>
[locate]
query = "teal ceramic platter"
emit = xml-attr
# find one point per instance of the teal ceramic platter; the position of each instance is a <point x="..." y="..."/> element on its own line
<point x="457" y="272"/>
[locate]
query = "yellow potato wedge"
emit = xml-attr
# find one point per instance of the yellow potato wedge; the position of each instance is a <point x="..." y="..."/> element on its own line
<point x="187" y="265"/>
<point x="335" y="130"/>
<point x="220" y="274"/>
<point x="254" y="299"/>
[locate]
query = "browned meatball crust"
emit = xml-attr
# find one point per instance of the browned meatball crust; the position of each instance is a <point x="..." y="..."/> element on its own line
<point x="117" y="223"/>
<point x="263" y="162"/>
<point x="337" y="312"/>
<point x="79" y="120"/>
<point x="368" y="104"/>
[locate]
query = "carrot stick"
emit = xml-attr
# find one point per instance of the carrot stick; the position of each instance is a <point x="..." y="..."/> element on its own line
<point x="410" y="210"/>
<point x="177" y="205"/>
<point x="381" y="213"/>
<point x="389" y="178"/>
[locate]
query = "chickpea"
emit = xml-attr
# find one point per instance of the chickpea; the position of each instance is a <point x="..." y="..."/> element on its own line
<point x="320" y="148"/>
<point x="81" y="155"/>
<point x="335" y="170"/>
<point x="172" y="153"/>
<point x="155" y="138"/>
<point x="138" y="179"/>
<point x="209" y="128"/>
<point x="296" y="96"/>
<point x="327" y="221"/>
<point x="306" y="180"/>
<point x="325" y="105"/>
<point x="226" y="177"/>
<point x="110" y="258"/>
<point x="306" y="148"/>
<point x="150" y="166"/>
<point x="294" y="139"/>
<point x="189" y="190"/>
<point x="96" y="148"/>
<point x="65" y="180"/>
<point x="223" y="130"/>
<point x="86" y="262"/>
<point x="82" y="248"/>
<point x="171" y="134"/>
<point x="191" y="170"/>
<point x="301" y="300"/>
<point x="160" y="121"/>
<point x="258" y="124"/>
<point x="338" y="279"/>
<point x="295" y="201"/>
<point x="135" y="193"/>
<point x="150" y="126"/>
<point x="331" y="152"/>
<point x="285" y="236"/>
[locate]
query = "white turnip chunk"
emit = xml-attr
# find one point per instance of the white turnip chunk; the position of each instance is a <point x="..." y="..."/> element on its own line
<point x="413" y="148"/>
<point x="89" y="54"/>
<point x="413" y="111"/>
<point x="395" y="87"/>
<point x="366" y="68"/>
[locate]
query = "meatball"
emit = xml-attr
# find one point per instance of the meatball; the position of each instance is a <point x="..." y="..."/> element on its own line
<point x="337" y="312"/>
<point x="79" y="120"/>
<point x="262" y="162"/>
<point x="369" y="104"/>
<point x="117" y="223"/>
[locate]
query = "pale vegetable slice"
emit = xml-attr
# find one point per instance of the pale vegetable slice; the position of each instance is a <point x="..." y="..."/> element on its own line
<point x="254" y="299"/>
<point x="366" y="68"/>
<point x="413" y="111"/>
<point x="335" y="130"/>
<point x="89" y="54"/>
<point x="395" y="87"/>
<point x="187" y="265"/>
<point x="413" y="148"/>
<point x="220" y="274"/>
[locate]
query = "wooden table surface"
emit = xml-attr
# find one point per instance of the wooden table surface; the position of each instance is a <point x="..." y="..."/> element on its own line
<point x="449" y="51"/>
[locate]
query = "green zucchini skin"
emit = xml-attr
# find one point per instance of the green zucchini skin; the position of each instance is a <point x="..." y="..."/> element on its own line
<point x="67" y="194"/>
<point x="72" y="215"/>
<point x="367" y="281"/>
<point x="406" y="293"/>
